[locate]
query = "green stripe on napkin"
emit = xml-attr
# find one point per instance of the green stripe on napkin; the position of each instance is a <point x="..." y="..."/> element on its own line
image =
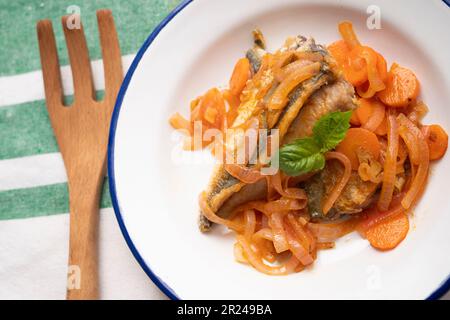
<point x="41" y="201"/>
<point x="25" y="129"/>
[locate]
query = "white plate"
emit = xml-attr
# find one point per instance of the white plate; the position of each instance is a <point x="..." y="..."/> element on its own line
<point x="155" y="196"/>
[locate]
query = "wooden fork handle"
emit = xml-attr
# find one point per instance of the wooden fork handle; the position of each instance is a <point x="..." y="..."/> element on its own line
<point x="82" y="280"/>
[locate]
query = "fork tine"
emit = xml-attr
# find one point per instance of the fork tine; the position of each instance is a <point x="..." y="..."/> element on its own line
<point x="112" y="63"/>
<point x="79" y="61"/>
<point x="50" y="65"/>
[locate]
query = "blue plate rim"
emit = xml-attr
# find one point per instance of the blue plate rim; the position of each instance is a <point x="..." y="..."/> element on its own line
<point x="164" y="287"/>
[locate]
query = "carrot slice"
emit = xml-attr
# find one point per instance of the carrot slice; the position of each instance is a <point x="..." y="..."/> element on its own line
<point x="340" y="51"/>
<point x="382" y="128"/>
<point x="373" y="216"/>
<point x="389" y="233"/>
<point x="371" y="114"/>
<point x="353" y="66"/>
<point x="359" y="138"/>
<point x="437" y="140"/>
<point x="212" y="100"/>
<point x="402" y="87"/>
<point x="354" y="120"/>
<point x="240" y="76"/>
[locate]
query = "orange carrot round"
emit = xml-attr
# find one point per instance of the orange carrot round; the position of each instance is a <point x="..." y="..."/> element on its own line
<point x="354" y="120"/>
<point x="240" y="76"/>
<point x="371" y="114"/>
<point x="437" y="140"/>
<point x="353" y="66"/>
<point x="340" y="51"/>
<point x="212" y="108"/>
<point x="359" y="138"/>
<point x="382" y="128"/>
<point x="402" y="87"/>
<point x="389" y="233"/>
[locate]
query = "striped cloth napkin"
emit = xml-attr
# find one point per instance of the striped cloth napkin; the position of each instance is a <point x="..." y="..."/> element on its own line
<point x="34" y="220"/>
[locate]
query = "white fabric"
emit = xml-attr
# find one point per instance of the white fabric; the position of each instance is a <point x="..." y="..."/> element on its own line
<point x="33" y="260"/>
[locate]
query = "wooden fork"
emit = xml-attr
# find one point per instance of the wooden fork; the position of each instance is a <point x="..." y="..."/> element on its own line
<point x="81" y="131"/>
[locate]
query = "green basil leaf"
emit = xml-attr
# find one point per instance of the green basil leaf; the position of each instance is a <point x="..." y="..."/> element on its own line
<point x="331" y="129"/>
<point x="301" y="156"/>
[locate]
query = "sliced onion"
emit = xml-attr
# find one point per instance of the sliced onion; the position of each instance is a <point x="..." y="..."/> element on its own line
<point x="308" y="55"/>
<point x="296" y="247"/>
<point x="375" y="82"/>
<point x="279" y="98"/>
<point x="376" y="117"/>
<point x="417" y="111"/>
<point x="244" y="174"/>
<point x="308" y="240"/>
<point x="250" y="223"/>
<point x="264" y="233"/>
<point x="337" y="189"/>
<point x="256" y="261"/>
<point x="284" y="204"/>
<point x="239" y="253"/>
<point x="177" y="121"/>
<point x="279" y="236"/>
<point x="390" y="164"/>
<point x="284" y="72"/>
<point x="293" y="193"/>
<point x="421" y="175"/>
<point x="373" y="216"/>
<point x="325" y="245"/>
<point x="264" y="238"/>
<point x="211" y="216"/>
<point x="411" y="143"/>
<point x="328" y="232"/>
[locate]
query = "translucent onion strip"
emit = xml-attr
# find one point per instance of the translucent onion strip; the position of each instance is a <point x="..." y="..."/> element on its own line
<point x="211" y="216"/>
<point x="257" y="262"/>
<point x="390" y="164"/>
<point x="337" y="189"/>
<point x="376" y="117"/>
<point x="280" y="97"/>
<point x="421" y="175"/>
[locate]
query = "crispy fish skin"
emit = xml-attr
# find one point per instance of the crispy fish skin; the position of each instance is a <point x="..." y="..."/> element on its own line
<point x="339" y="96"/>
<point x="224" y="192"/>
<point x="356" y="195"/>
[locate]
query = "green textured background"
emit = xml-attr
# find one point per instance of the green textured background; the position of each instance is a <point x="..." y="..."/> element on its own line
<point x="135" y="19"/>
<point x="25" y="128"/>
